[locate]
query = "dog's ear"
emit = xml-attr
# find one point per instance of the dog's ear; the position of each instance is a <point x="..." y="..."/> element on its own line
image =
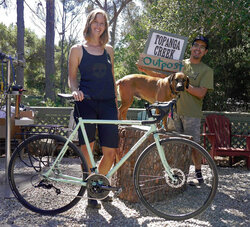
<point x="171" y="77"/>
<point x="187" y="84"/>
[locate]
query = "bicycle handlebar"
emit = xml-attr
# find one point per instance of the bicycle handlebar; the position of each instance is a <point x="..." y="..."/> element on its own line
<point x="161" y="109"/>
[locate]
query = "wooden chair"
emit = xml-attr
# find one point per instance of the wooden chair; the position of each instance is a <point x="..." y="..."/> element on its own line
<point x="217" y="128"/>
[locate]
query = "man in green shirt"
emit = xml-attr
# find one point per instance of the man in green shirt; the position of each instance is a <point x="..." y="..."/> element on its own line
<point x="189" y="105"/>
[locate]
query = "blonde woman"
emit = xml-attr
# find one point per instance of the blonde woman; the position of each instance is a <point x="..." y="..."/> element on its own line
<point x="95" y="60"/>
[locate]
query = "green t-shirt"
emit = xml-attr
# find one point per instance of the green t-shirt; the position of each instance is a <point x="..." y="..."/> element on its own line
<point x="200" y="75"/>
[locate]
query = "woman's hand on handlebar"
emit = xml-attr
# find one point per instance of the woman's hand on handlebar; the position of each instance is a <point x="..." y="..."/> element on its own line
<point x="78" y="95"/>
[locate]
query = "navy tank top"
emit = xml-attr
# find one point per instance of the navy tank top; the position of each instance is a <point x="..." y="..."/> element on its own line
<point x="96" y="76"/>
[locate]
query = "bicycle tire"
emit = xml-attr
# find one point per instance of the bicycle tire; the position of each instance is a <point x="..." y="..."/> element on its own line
<point x="33" y="157"/>
<point x="180" y="200"/>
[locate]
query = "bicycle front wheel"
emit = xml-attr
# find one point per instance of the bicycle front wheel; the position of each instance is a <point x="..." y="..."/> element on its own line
<point x="32" y="159"/>
<point x="182" y="194"/>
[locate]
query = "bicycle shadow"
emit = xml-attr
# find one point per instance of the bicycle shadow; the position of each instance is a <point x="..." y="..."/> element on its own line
<point x="118" y="218"/>
<point x="230" y="206"/>
<point x="108" y="215"/>
<point x="94" y="218"/>
<point x="30" y="217"/>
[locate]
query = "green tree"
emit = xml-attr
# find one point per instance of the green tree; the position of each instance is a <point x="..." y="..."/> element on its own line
<point x="35" y="65"/>
<point x="34" y="81"/>
<point x="71" y="9"/>
<point x="226" y="25"/>
<point x="132" y="42"/>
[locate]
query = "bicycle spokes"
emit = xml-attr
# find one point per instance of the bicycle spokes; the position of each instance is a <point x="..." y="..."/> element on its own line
<point x="47" y="194"/>
<point x="178" y="195"/>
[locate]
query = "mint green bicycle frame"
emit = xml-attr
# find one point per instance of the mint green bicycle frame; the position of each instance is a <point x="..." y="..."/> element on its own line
<point x="74" y="180"/>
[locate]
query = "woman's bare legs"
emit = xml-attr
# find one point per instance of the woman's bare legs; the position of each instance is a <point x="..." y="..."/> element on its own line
<point x="106" y="161"/>
<point x="104" y="166"/>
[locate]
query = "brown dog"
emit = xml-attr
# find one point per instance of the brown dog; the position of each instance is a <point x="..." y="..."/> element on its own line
<point x="149" y="88"/>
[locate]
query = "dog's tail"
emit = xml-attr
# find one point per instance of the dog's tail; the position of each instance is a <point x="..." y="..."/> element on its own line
<point x="118" y="82"/>
<point x="118" y="90"/>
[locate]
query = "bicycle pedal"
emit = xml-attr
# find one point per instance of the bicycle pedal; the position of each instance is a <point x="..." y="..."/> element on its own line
<point x="118" y="192"/>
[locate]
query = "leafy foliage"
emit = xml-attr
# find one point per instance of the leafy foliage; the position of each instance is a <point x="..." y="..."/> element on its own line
<point x="226" y="25"/>
<point x="34" y="71"/>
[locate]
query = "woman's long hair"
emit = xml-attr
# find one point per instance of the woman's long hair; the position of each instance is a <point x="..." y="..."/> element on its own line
<point x="104" y="38"/>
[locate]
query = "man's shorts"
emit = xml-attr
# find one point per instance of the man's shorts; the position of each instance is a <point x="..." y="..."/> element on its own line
<point x="188" y="126"/>
<point x="99" y="109"/>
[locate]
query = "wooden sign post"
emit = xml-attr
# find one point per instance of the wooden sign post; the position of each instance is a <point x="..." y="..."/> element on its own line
<point x="164" y="52"/>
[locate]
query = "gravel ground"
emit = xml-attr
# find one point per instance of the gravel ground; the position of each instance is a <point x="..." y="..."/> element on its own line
<point x="231" y="207"/>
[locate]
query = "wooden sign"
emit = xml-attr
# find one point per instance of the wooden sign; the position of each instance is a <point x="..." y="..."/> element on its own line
<point x="164" y="51"/>
<point x="160" y="64"/>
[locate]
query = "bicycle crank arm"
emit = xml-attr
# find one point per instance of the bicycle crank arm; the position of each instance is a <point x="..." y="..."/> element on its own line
<point x="109" y="188"/>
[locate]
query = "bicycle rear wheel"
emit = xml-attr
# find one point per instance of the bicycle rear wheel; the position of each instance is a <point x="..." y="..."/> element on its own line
<point x="181" y="198"/>
<point x="34" y="157"/>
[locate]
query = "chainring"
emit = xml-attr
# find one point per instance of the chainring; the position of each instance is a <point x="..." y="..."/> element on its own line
<point x="95" y="186"/>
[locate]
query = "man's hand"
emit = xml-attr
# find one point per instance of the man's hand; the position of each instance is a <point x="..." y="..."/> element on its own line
<point x="150" y="72"/>
<point x="198" y="92"/>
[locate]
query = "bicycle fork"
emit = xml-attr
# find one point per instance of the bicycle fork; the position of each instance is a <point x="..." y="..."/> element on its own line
<point x="163" y="157"/>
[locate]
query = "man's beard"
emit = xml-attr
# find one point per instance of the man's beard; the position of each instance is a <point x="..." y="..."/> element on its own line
<point x="196" y="56"/>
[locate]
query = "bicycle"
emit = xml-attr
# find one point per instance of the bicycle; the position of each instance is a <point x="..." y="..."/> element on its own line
<point x="45" y="168"/>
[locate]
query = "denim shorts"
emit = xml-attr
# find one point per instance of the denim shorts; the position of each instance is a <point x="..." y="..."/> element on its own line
<point x="188" y="126"/>
<point x="98" y="109"/>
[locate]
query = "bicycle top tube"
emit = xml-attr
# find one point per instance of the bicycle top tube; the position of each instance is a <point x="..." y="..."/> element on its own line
<point x="155" y="112"/>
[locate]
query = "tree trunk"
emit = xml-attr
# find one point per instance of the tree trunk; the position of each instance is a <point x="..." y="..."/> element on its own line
<point x="50" y="40"/>
<point x="62" y="80"/>
<point x="20" y="42"/>
<point x="112" y="33"/>
<point x="123" y="178"/>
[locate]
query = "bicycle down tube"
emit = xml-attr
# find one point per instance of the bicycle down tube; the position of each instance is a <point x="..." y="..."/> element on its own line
<point x="81" y="124"/>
